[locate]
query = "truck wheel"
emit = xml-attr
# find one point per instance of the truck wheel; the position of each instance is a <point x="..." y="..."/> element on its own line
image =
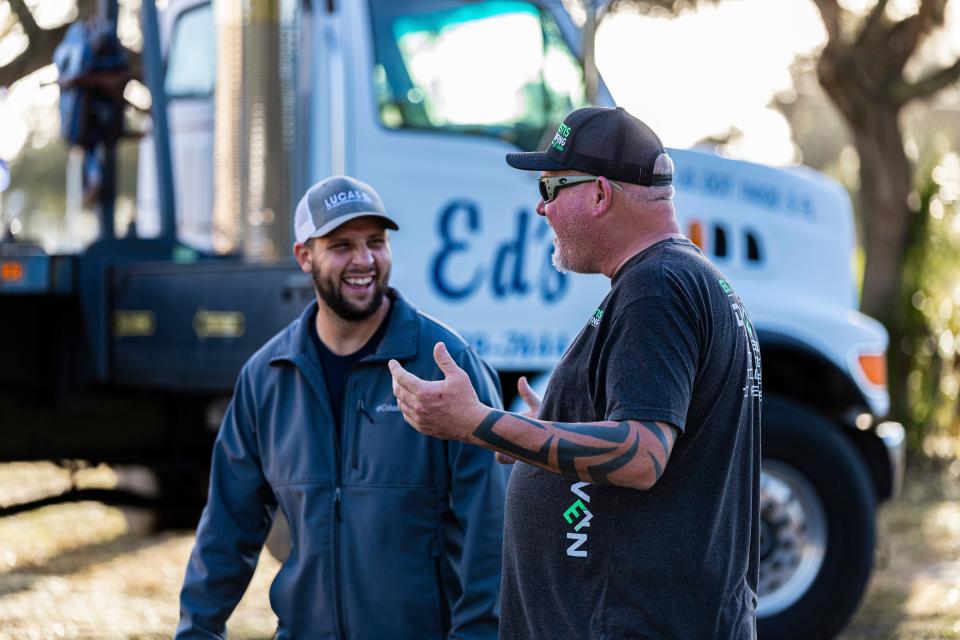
<point x="817" y="525"/>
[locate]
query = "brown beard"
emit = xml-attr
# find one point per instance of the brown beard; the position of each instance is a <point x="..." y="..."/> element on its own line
<point x="329" y="292"/>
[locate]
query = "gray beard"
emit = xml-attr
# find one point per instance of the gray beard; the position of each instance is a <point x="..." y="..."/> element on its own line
<point x="558" y="259"/>
<point x="565" y="263"/>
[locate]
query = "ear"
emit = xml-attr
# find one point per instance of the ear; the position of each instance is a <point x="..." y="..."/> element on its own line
<point x="304" y="256"/>
<point x="602" y="196"/>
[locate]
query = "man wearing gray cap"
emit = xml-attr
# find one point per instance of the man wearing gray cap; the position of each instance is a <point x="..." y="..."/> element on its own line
<point x="634" y="508"/>
<point x="394" y="535"/>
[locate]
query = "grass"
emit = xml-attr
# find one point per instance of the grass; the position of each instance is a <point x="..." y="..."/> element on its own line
<point x="88" y="571"/>
<point x="915" y="589"/>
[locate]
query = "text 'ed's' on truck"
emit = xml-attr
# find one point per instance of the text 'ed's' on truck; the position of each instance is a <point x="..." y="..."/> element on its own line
<point x="126" y="352"/>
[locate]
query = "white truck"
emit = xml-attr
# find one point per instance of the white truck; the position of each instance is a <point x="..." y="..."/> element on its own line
<point x="423" y="100"/>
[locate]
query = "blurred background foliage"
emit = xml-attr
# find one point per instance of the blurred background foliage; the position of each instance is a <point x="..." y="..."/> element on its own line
<point x="931" y="311"/>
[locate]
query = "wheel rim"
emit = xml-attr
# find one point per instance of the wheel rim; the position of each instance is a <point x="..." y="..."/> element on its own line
<point x="793" y="537"/>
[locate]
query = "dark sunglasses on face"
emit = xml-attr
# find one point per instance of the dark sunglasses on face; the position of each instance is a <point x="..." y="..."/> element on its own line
<point x="550" y="185"/>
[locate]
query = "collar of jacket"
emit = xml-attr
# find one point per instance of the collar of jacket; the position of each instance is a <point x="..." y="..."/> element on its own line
<point x="399" y="342"/>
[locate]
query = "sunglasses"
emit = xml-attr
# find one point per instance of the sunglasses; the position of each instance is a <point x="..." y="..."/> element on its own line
<point x="549" y="185"/>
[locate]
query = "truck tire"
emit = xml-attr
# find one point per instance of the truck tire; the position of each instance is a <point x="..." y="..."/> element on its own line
<point x="817" y="525"/>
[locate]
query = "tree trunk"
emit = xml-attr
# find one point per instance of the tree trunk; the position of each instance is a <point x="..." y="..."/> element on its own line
<point x="889" y="227"/>
<point x="889" y="230"/>
<point x="884" y="187"/>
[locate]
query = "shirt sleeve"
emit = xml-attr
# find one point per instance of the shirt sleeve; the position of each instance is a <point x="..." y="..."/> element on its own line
<point x="648" y="363"/>
<point x="474" y="541"/>
<point x="233" y="527"/>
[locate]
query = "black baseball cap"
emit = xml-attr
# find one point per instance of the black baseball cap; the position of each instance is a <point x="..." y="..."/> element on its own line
<point x="601" y="141"/>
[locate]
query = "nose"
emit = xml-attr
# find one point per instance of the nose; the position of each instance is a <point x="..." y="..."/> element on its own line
<point x="541" y="208"/>
<point x="363" y="256"/>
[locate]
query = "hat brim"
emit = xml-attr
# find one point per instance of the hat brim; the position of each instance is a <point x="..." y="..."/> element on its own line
<point x="533" y="161"/>
<point x="342" y="220"/>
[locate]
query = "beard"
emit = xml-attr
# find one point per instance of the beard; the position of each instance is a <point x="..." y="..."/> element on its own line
<point x="329" y="291"/>
<point x="573" y="252"/>
<point x="559" y="258"/>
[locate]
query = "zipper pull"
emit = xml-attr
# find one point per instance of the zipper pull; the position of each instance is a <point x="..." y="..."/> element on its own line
<point x="337" y="499"/>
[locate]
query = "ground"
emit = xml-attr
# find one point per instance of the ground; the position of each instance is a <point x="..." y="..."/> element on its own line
<point x="89" y="571"/>
<point x="915" y="589"/>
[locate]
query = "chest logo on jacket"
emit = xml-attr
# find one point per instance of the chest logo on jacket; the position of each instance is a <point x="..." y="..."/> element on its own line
<point x="578" y="515"/>
<point x="386" y="407"/>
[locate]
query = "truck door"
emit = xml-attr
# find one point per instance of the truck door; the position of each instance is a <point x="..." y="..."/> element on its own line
<point x="443" y="91"/>
<point x="188" y="37"/>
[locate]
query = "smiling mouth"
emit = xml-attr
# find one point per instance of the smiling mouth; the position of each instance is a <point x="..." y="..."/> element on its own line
<point x="359" y="282"/>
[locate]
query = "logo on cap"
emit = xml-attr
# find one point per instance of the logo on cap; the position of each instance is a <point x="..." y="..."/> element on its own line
<point x="337" y="199"/>
<point x="560" y="140"/>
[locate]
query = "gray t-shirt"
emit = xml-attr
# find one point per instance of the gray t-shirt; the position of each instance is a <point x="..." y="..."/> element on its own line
<point x="670" y="342"/>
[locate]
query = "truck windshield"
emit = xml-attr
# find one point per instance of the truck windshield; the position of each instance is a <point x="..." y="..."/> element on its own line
<point x="500" y="69"/>
<point x="191" y="64"/>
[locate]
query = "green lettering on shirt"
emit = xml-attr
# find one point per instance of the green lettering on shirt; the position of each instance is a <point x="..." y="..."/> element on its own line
<point x="573" y="511"/>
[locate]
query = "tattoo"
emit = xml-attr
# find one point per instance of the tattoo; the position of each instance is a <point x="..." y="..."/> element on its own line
<point x="655" y="429"/>
<point x="616" y="434"/>
<point x="601" y="471"/>
<point x="656" y="465"/>
<point x="561" y="437"/>
<point x="485" y="432"/>
<point x="568" y="452"/>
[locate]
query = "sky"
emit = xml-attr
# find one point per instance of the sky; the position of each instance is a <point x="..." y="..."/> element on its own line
<point x="691" y="77"/>
<point x="703" y="73"/>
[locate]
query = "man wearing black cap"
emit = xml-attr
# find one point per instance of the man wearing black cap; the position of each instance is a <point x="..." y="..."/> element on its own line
<point x="634" y="509"/>
<point x="394" y="535"/>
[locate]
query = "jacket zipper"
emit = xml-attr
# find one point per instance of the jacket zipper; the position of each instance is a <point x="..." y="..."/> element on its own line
<point x="441" y="595"/>
<point x="355" y="445"/>
<point x="337" y="519"/>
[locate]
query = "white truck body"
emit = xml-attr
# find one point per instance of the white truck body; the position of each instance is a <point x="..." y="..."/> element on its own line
<point x="472" y="250"/>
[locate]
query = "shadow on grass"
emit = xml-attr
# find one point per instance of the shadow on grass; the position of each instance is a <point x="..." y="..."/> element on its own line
<point x="906" y="553"/>
<point x="76" y="560"/>
<point x="880" y="615"/>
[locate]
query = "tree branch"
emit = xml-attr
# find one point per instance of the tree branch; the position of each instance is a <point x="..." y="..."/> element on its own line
<point x="905" y="36"/>
<point x="830" y="14"/>
<point x="903" y="92"/>
<point x="25" y="16"/>
<point x="872" y="25"/>
<point x="38" y="55"/>
<point x="43" y="42"/>
<point x="674" y="7"/>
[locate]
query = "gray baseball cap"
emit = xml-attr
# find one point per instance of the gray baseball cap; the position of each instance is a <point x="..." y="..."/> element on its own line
<point x="334" y="201"/>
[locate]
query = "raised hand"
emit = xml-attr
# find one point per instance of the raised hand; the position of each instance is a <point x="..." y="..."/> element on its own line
<point x="532" y="401"/>
<point x="447" y="409"/>
<point x="530" y="397"/>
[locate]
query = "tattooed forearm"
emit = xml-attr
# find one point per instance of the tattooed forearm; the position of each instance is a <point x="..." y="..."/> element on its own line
<point x="658" y="433"/>
<point x="485" y="432"/>
<point x="603" y="452"/>
<point x="658" y="470"/>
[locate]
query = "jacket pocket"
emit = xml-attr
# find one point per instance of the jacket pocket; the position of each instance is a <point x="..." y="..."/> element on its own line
<point x="355" y="436"/>
<point x="389" y="575"/>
